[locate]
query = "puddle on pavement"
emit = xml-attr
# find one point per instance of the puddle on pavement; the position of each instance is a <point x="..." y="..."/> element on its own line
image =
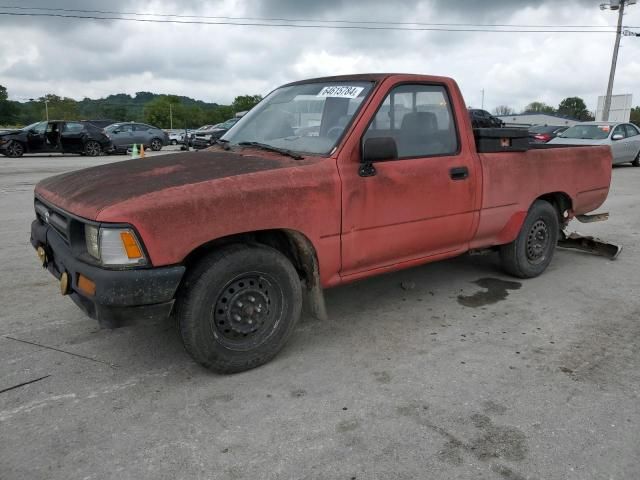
<point x="495" y="291"/>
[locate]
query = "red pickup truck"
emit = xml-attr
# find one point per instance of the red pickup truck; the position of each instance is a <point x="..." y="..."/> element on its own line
<point x="326" y="181"/>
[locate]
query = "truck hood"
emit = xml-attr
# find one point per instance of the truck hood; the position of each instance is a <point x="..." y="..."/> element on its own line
<point x="87" y="192"/>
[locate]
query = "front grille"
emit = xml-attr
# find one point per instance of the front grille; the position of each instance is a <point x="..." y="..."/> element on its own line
<point x="60" y="222"/>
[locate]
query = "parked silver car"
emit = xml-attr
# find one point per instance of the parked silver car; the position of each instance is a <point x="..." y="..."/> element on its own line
<point x="125" y="135"/>
<point x="624" y="139"/>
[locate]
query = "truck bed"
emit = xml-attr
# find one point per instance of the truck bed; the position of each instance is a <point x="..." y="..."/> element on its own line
<point x="582" y="174"/>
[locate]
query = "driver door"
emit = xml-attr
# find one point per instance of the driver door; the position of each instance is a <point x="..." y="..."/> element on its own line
<point x="620" y="147"/>
<point x="36" y="138"/>
<point x="418" y="205"/>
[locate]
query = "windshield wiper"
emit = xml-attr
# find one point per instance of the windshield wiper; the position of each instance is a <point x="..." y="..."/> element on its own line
<point x="271" y="148"/>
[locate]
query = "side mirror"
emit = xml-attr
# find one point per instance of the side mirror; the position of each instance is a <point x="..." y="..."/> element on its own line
<point x="376" y="150"/>
<point x="379" y="149"/>
<point x="617" y="136"/>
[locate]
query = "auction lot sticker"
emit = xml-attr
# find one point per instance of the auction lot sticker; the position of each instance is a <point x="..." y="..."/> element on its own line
<point x="340" y="91"/>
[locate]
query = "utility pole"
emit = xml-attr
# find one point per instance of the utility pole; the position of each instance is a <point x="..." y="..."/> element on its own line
<point x="46" y="108"/>
<point x="171" y="116"/>
<point x="614" y="5"/>
<point x="482" y="99"/>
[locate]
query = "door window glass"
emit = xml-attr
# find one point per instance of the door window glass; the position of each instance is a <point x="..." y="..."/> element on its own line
<point x="40" y="127"/>
<point x="73" y="127"/>
<point x="619" y="130"/>
<point x="419" y="119"/>
<point x="631" y="130"/>
<point x="141" y="128"/>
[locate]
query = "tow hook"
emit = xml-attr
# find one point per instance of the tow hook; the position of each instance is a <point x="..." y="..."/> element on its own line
<point x="42" y="255"/>
<point x="64" y="283"/>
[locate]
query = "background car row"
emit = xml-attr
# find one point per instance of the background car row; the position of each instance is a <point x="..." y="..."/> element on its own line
<point x="88" y="137"/>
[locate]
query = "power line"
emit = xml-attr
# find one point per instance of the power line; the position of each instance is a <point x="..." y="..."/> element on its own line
<point x="287" y="25"/>
<point x="266" y="19"/>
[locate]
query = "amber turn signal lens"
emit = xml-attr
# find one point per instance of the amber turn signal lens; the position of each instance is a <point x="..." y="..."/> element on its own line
<point x="130" y="245"/>
<point x="87" y="286"/>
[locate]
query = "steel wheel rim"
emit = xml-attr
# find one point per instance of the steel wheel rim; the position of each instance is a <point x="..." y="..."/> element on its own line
<point x="247" y="312"/>
<point x="93" y="149"/>
<point x="538" y="241"/>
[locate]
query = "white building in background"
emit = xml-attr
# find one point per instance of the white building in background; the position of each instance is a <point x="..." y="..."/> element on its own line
<point x="620" y="108"/>
<point x="530" y="119"/>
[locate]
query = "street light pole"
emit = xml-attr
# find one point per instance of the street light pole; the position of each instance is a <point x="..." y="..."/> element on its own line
<point x="46" y="109"/>
<point x="171" y="116"/>
<point x="614" y="62"/>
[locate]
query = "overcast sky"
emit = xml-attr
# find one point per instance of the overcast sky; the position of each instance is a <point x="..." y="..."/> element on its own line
<point x="89" y="58"/>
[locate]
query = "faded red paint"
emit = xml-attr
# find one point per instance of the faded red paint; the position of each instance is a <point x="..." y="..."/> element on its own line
<point x="410" y="213"/>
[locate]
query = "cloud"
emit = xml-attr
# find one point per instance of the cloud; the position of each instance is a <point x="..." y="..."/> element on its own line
<point x="79" y="58"/>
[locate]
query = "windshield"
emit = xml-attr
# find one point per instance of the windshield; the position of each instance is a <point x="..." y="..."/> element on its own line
<point x="31" y="127"/>
<point x="304" y="118"/>
<point x="228" y="124"/>
<point x="587" y="132"/>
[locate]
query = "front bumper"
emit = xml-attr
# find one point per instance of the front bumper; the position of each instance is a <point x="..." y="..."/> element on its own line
<point x="121" y="296"/>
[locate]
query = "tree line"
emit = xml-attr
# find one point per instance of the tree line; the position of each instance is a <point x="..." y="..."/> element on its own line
<point x="573" y="107"/>
<point x="161" y="111"/>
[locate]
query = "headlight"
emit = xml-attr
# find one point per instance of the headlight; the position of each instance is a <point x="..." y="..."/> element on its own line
<point x="114" y="246"/>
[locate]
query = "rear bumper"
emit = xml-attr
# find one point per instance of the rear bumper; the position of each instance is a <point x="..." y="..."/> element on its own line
<point x="121" y="296"/>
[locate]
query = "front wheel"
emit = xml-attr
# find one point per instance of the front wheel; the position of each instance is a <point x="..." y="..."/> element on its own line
<point x="156" y="144"/>
<point x="92" y="148"/>
<point x="174" y="142"/>
<point x="532" y="250"/>
<point x="14" y="150"/>
<point x="238" y="307"/>
<point x="636" y="162"/>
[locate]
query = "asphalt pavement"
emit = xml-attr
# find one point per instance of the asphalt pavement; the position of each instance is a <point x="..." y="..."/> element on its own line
<point x="447" y="371"/>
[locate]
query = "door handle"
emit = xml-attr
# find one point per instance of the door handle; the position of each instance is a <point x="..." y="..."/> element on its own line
<point x="459" y="173"/>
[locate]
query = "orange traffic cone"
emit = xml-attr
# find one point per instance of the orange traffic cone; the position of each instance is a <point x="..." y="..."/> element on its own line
<point x="142" y="150"/>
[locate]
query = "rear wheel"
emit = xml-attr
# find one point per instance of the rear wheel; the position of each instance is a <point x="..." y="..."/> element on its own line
<point x="14" y="150"/>
<point x="174" y="142"/>
<point x="92" y="148"/>
<point x="156" y="144"/>
<point x="532" y="251"/>
<point x="238" y="307"/>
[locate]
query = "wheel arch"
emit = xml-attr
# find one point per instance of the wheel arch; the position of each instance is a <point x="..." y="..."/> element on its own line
<point x="562" y="202"/>
<point x="294" y="245"/>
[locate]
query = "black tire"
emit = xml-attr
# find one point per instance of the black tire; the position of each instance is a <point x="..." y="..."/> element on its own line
<point x="532" y="251"/>
<point x="238" y="306"/>
<point x="15" y="149"/>
<point x="636" y="162"/>
<point x="174" y="142"/>
<point x="92" y="148"/>
<point x="155" y="144"/>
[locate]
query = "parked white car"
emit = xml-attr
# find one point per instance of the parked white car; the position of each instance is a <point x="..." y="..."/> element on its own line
<point x="624" y="139"/>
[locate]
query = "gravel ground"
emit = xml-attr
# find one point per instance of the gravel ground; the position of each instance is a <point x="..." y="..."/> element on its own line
<point x="447" y="371"/>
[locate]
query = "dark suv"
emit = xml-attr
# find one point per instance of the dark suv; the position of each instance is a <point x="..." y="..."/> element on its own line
<point x="483" y="119"/>
<point x="55" y="136"/>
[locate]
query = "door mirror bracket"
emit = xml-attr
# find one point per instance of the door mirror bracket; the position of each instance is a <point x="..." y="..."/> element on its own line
<point x="367" y="170"/>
